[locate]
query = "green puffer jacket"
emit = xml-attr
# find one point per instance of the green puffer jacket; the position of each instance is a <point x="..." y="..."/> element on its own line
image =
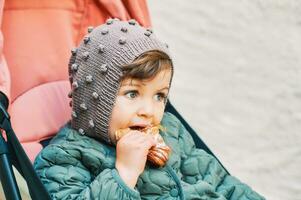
<point x="75" y="166"/>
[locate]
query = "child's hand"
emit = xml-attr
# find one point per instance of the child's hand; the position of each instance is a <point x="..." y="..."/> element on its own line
<point x="131" y="155"/>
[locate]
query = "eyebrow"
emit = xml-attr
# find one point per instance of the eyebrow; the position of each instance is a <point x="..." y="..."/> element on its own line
<point x="165" y="88"/>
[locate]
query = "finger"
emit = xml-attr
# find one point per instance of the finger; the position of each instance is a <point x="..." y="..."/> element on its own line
<point x="138" y="139"/>
<point x="142" y="138"/>
<point x="152" y="138"/>
<point x="150" y="141"/>
<point x="129" y="136"/>
<point x="134" y="138"/>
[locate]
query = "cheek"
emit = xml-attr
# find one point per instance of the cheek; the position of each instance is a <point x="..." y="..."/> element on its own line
<point x="114" y="121"/>
<point x="159" y="114"/>
<point x="118" y="117"/>
<point x="112" y="126"/>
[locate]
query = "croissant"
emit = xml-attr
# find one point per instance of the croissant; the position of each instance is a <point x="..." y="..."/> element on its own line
<point x="157" y="155"/>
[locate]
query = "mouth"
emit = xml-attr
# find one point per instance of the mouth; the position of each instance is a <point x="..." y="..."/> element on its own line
<point x="139" y="127"/>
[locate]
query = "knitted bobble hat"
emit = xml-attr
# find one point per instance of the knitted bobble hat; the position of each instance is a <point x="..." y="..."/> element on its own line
<point x="95" y="72"/>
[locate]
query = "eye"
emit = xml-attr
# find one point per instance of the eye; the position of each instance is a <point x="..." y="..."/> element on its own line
<point x="131" y="94"/>
<point x="160" y="97"/>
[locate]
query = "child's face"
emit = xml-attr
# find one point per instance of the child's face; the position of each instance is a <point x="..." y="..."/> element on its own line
<point x="140" y="102"/>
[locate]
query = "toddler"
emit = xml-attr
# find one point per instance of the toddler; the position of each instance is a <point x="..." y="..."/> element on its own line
<point x="121" y="76"/>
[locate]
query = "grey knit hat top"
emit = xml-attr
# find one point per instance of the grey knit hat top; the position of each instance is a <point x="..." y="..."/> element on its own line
<point x="95" y="72"/>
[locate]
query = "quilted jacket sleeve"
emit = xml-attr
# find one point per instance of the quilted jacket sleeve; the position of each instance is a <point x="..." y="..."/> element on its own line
<point x="207" y="176"/>
<point x="65" y="177"/>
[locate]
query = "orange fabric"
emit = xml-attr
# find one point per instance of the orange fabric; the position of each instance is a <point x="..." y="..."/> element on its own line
<point x="38" y="36"/>
<point x="4" y="72"/>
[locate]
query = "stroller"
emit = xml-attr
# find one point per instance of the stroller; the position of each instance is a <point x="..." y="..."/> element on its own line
<point x="33" y="77"/>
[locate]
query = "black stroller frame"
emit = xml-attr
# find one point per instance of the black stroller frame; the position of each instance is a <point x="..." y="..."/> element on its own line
<point x="12" y="153"/>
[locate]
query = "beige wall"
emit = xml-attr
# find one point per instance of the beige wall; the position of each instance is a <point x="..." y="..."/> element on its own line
<point x="238" y="83"/>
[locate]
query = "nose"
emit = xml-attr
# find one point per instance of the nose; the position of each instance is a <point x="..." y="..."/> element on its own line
<point x="146" y="109"/>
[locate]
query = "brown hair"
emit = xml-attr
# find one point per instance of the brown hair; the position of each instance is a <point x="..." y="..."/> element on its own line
<point x="147" y="65"/>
